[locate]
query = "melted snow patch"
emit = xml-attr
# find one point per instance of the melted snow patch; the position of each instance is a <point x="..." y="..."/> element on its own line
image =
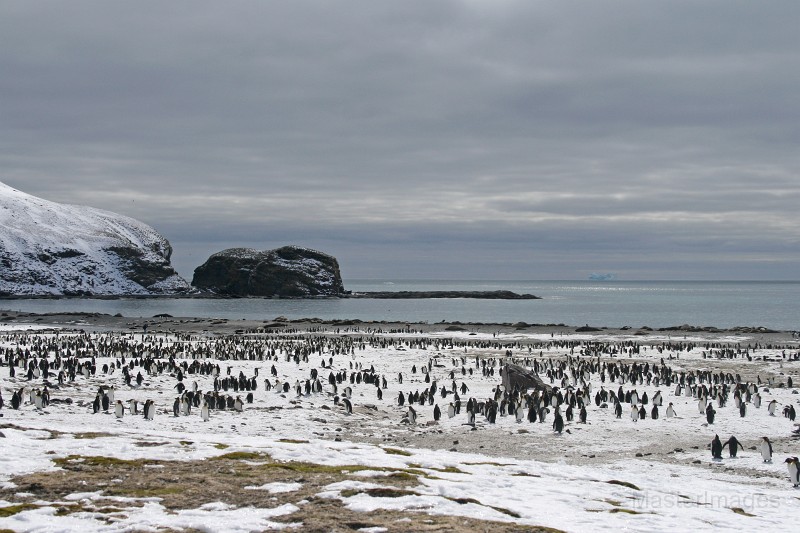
<point x="277" y="487"/>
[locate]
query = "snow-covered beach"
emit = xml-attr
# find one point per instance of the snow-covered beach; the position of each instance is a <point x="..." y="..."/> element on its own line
<point x="297" y="458"/>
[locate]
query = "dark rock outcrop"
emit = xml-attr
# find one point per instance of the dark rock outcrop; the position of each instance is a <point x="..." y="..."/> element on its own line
<point x="287" y="272"/>
<point x="517" y="377"/>
<point x="480" y="295"/>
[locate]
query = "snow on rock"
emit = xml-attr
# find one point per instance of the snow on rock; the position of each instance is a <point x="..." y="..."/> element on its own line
<point x="54" y="249"/>
<point x="290" y="271"/>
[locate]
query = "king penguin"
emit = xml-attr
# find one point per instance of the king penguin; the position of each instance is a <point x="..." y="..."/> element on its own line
<point x="471" y="418"/>
<point x="766" y="449"/>
<point x="793" y="466"/>
<point x="186" y="408"/>
<point x="733" y="446"/>
<point x="710" y="414"/>
<point x="38" y="400"/>
<point x="558" y="423"/>
<point x="716" y="448"/>
<point x="119" y="409"/>
<point x="771" y="407"/>
<point x="702" y="404"/>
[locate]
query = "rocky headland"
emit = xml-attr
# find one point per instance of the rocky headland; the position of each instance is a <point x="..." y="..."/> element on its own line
<point x="52" y="249"/>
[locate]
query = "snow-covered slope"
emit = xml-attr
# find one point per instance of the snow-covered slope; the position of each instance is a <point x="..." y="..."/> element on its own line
<point x="48" y="248"/>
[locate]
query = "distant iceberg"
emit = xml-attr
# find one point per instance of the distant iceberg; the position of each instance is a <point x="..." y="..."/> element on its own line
<point x="597" y="276"/>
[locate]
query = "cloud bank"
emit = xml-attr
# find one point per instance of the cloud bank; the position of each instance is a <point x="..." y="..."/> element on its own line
<point x="418" y="139"/>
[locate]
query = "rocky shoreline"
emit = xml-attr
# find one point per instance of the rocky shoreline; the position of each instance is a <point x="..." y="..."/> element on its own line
<point x="478" y="295"/>
<point x="199" y="294"/>
<point x="86" y="321"/>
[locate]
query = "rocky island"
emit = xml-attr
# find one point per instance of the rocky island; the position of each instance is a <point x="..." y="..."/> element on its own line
<point x="286" y="272"/>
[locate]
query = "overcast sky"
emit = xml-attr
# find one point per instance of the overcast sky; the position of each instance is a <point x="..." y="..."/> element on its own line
<point x="421" y="139"/>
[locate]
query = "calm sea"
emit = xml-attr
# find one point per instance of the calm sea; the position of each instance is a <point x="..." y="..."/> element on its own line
<point x="598" y="303"/>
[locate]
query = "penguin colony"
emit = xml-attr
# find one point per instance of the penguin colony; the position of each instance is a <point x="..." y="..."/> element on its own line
<point x="43" y="370"/>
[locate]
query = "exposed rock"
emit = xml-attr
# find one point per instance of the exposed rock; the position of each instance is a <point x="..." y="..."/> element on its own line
<point x="287" y="272"/>
<point x="51" y="249"/>
<point x="407" y="295"/>
<point x="517" y="377"/>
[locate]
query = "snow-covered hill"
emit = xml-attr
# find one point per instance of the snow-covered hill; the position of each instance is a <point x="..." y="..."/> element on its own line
<point x="48" y="248"/>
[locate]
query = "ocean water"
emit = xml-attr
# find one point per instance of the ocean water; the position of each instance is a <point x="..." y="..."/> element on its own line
<point x="656" y="304"/>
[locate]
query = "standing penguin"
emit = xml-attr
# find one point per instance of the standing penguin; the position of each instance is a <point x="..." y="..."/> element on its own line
<point x="119" y="409"/>
<point x="771" y="407"/>
<point x="437" y="413"/>
<point x="558" y="423"/>
<point x="733" y="445"/>
<point x="348" y="406"/>
<point x="186" y="408"/>
<point x="38" y="400"/>
<point x="710" y="414"/>
<point x="670" y="410"/>
<point x="766" y="449"/>
<point x="702" y="404"/>
<point x="716" y="448"/>
<point x="582" y="415"/>
<point x="16" y="400"/>
<point x="742" y="409"/>
<point x="412" y="415"/>
<point x="204" y="414"/>
<point x="634" y="413"/>
<point x="793" y="466"/>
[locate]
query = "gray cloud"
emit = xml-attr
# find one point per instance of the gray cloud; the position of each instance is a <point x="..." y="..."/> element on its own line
<point x="422" y="139"/>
